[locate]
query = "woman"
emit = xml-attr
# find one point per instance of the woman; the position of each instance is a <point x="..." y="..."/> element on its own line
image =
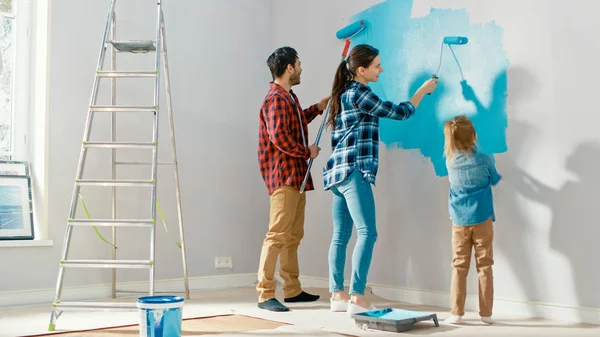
<point x="351" y="169"/>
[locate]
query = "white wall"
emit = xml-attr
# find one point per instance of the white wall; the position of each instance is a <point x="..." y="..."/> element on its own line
<point x="219" y="78"/>
<point x="545" y="250"/>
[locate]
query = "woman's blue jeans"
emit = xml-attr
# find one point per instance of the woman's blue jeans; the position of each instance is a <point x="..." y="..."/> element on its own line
<point x="353" y="204"/>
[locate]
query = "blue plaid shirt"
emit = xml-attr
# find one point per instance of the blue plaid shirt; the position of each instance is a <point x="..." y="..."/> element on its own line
<point x="355" y="138"/>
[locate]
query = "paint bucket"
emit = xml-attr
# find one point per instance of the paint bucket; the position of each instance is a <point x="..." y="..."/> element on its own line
<point x="160" y="316"/>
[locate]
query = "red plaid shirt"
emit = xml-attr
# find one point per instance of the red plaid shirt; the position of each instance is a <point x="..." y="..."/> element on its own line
<point x="282" y="156"/>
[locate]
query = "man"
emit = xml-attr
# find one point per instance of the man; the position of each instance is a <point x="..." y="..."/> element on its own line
<point x="283" y="152"/>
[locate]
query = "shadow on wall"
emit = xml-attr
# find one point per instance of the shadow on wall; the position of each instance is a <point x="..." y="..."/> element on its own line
<point x="490" y="121"/>
<point x="520" y="235"/>
<point x="515" y="237"/>
<point x="572" y="232"/>
<point x="575" y="225"/>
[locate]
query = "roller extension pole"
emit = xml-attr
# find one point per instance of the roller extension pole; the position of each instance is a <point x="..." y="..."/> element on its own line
<point x="345" y="33"/>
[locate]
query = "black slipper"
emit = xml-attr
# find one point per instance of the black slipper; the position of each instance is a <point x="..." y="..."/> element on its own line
<point x="303" y="297"/>
<point x="273" y="305"/>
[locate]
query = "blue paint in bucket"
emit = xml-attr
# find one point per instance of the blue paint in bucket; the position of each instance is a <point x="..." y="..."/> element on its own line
<point x="160" y="316"/>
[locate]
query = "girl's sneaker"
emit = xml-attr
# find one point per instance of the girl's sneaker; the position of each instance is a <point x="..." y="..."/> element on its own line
<point x="453" y="319"/>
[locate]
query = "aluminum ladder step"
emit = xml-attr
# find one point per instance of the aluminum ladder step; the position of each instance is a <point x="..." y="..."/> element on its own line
<point x="117" y="182"/>
<point x="120" y="145"/>
<point x="95" y="306"/>
<point x="107" y="263"/>
<point x="148" y="223"/>
<point x="134" y="46"/>
<point x="132" y="74"/>
<point x="123" y="108"/>
<point x="132" y="163"/>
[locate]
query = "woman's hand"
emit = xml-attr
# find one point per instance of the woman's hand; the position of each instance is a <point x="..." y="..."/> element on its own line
<point x="429" y="86"/>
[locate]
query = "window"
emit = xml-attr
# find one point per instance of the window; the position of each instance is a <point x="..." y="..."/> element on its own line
<point x="14" y="77"/>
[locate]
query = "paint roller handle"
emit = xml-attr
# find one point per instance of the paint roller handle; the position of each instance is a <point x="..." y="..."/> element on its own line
<point x="345" y="51"/>
<point x="320" y="132"/>
<point x="310" y="161"/>
<point x="433" y="76"/>
<point x="306" y="176"/>
<point x="344" y="33"/>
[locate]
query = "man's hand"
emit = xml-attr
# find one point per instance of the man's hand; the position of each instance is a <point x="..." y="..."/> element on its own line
<point x="323" y="103"/>
<point x="314" y="151"/>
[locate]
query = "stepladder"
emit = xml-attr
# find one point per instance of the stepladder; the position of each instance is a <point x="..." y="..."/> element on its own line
<point x="148" y="181"/>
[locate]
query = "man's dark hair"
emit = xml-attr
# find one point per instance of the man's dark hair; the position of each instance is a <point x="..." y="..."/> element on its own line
<point x="279" y="60"/>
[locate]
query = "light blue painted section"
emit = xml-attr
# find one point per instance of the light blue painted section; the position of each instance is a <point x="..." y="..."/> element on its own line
<point x="410" y="54"/>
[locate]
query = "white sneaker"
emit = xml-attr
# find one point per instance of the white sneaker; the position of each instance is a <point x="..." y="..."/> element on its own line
<point x="354" y="308"/>
<point x="487" y="320"/>
<point x="338" y="305"/>
<point x="453" y="319"/>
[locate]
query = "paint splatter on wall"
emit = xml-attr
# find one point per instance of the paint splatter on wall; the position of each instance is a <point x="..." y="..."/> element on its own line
<point x="472" y="81"/>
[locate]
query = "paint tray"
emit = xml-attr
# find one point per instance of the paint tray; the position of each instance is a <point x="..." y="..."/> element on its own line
<point x="391" y="319"/>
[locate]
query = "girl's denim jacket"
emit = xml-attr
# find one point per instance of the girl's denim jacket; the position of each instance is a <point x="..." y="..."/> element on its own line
<point x="471" y="177"/>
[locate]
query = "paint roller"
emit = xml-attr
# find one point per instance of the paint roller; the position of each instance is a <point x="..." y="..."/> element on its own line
<point x="349" y="31"/>
<point x="346" y="33"/>
<point x="450" y="40"/>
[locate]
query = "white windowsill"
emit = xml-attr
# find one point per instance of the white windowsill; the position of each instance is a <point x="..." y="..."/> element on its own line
<point x="26" y="243"/>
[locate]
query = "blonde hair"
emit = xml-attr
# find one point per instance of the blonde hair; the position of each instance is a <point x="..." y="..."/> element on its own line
<point x="459" y="136"/>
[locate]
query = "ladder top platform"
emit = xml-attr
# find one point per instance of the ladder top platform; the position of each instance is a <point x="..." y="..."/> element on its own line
<point x="134" y="46"/>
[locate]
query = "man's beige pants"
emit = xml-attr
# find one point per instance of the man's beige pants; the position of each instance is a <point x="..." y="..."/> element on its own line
<point x="286" y="229"/>
<point x="464" y="239"/>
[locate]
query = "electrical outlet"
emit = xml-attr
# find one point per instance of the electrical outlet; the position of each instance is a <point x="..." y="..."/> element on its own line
<point x="223" y="262"/>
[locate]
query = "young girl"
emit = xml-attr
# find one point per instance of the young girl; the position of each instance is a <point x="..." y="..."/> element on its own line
<point x="351" y="169"/>
<point x="470" y="203"/>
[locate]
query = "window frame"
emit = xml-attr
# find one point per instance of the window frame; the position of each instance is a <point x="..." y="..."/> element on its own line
<point x="22" y="79"/>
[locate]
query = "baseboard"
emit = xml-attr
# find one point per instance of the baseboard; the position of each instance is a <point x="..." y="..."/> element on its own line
<point x="549" y="311"/>
<point x="99" y="291"/>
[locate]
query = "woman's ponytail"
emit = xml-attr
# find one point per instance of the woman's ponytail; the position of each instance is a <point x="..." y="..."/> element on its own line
<point x="342" y="79"/>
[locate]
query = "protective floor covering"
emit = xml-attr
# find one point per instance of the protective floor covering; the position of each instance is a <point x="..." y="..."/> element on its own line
<point x="306" y="319"/>
<point x="227" y="325"/>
